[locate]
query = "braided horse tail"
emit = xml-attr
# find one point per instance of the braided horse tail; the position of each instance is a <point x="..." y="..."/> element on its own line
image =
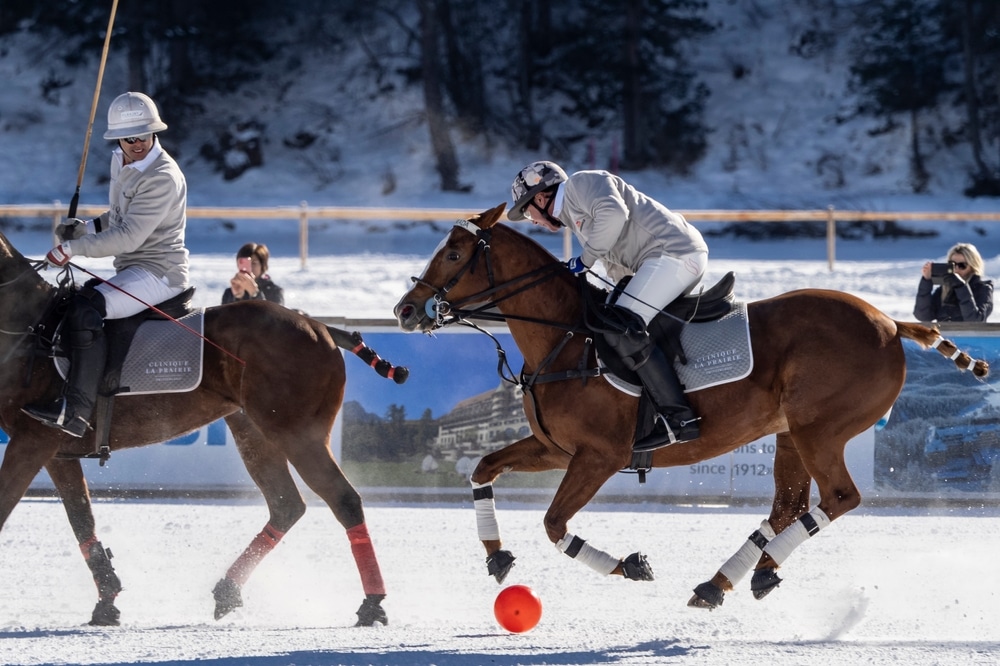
<point x="931" y="338"/>
<point x="354" y="343"/>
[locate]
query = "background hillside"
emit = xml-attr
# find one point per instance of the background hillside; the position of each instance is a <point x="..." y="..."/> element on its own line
<point x="336" y="115"/>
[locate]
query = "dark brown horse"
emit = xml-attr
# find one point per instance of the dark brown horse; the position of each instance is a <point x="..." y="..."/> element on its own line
<point x="826" y="367"/>
<point x="276" y="377"/>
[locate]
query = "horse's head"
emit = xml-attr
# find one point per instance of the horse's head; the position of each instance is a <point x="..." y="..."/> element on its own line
<point x="460" y="268"/>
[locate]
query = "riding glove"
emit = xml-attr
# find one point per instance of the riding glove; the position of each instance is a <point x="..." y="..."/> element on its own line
<point x="74" y="228"/>
<point x="59" y="255"/>
<point x="576" y="265"/>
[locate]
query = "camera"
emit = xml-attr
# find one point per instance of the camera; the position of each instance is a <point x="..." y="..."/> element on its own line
<point x="938" y="271"/>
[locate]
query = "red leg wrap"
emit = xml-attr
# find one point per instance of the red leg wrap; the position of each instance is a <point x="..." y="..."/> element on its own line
<point x="85" y="546"/>
<point x="364" y="556"/>
<point x="261" y="545"/>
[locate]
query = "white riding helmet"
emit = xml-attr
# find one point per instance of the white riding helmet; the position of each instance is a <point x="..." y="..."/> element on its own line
<point x="532" y="179"/>
<point x="133" y="114"/>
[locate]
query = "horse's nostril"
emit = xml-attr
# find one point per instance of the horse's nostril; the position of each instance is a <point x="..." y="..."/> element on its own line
<point x="406" y="311"/>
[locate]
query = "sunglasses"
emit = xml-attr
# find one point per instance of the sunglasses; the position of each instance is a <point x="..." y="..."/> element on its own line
<point x="960" y="265"/>
<point x="132" y="139"/>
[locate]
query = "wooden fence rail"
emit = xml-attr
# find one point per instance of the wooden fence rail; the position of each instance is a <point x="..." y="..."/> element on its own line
<point x="304" y="212"/>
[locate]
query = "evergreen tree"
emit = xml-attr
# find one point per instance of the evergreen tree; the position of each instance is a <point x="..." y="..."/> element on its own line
<point x="621" y="65"/>
<point x="901" y="67"/>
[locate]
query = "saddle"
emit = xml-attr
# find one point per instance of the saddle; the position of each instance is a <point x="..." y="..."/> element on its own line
<point x="713" y="304"/>
<point x="120" y="334"/>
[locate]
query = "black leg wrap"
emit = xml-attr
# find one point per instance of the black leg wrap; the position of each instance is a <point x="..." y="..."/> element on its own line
<point x="371" y="612"/>
<point x="227" y="597"/>
<point x="107" y="581"/>
<point x="499" y="564"/>
<point x="636" y="567"/>
<point x="707" y="595"/>
<point x="763" y="581"/>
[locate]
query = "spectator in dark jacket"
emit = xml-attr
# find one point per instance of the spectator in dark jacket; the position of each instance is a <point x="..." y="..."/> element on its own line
<point x="251" y="281"/>
<point x="964" y="293"/>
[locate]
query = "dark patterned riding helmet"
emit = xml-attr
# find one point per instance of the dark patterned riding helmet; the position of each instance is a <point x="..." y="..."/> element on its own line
<point x="532" y="179"/>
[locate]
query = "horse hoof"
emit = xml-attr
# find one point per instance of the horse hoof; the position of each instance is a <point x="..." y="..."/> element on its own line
<point x="227" y="597"/>
<point x="763" y="581"/>
<point x="707" y="595"/>
<point x="499" y="564"/>
<point x="371" y="612"/>
<point x="105" y="615"/>
<point x="636" y="567"/>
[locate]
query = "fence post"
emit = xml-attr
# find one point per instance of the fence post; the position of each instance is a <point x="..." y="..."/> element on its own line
<point x="831" y="237"/>
<point x="303" y="233"/>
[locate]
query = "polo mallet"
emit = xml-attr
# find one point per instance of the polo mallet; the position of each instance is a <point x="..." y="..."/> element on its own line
<point x="93" y="109"/>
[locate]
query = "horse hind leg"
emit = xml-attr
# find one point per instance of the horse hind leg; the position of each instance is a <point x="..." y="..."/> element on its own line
<point x="269" y="471"/>
<point x="324" y="476"/>
<point x="792" y="484"/>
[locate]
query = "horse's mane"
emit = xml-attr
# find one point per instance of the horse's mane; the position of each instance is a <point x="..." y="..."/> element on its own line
<point x="537" y="252"/>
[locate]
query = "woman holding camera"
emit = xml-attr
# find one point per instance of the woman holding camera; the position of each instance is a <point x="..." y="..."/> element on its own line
<point x="963" y="294"/>
<point x="251" y="281"/>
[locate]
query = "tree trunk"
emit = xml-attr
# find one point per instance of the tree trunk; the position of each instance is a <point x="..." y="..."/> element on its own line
<point x="634" y="155"/>
<point x="971" y="92"/>
<point x="530" y="129"/>
<point x="920" y="176"/>
<point x="444" y="151"/>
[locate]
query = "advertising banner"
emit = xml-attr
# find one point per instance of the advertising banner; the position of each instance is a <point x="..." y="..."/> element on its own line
<point x="424" y="437"/>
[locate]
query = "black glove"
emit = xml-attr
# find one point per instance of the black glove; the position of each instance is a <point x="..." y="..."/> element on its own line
<point x="953" y="280"/>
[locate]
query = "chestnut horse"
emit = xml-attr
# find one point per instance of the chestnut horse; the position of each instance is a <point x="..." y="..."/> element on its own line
<point x="826" y="367"/>
<point x="276" y="377"/>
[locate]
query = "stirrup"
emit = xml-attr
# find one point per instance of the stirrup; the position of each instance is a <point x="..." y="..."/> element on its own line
<point x="682" y="431"/>
<point x="54" y="415"/>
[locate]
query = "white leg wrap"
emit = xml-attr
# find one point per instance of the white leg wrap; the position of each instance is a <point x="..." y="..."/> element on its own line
<point x="486" y="512"/>
<point x="580" y="550"/>
<point x="808" y="524"/>
<point x="746" y="557"/>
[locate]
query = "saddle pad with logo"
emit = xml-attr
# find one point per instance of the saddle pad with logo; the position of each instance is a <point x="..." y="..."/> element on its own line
<point x="165" y="357"/>
<point x="718" y="352"/>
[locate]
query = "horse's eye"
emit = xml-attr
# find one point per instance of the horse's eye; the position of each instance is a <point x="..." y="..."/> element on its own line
<point x="453" y="256"/>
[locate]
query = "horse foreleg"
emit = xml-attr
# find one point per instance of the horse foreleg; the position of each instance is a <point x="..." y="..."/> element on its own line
<point x="585" y="475"/>
<point x="526" y="455"/>
<point x="791" y="498"/>
<point x="67" y="476"/>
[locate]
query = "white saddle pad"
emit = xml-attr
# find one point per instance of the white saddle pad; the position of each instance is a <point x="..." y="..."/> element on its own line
<point x="718" y="352"/>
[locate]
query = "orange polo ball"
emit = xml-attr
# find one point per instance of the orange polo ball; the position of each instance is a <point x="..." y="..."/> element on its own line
<point x="517" y="608"/>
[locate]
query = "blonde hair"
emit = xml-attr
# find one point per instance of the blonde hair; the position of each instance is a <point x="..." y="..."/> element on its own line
<point x="971" y="254"/>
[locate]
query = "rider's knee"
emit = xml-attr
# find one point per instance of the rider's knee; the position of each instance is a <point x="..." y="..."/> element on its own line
<point x="85" y="318"/>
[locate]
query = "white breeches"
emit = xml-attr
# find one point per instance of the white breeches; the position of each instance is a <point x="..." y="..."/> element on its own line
<point x="136" y="287"/>
<point x="660" y="280"/>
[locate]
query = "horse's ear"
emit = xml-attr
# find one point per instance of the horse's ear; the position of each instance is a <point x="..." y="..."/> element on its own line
<point x="489" y="217"/>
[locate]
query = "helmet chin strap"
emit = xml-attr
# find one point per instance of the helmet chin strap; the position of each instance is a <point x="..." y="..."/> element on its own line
<point x="554" y="221"/>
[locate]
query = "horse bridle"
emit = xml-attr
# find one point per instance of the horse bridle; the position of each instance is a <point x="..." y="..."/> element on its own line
<point x="445" y="312"/>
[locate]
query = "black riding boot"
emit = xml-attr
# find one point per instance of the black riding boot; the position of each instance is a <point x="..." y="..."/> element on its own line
<point x="660" y="380"/>
<point x="676" y="422"/>
<point x="72" y="412"/>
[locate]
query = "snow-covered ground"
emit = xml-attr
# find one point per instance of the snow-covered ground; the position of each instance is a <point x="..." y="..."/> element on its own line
<point x="879" y="587"/>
